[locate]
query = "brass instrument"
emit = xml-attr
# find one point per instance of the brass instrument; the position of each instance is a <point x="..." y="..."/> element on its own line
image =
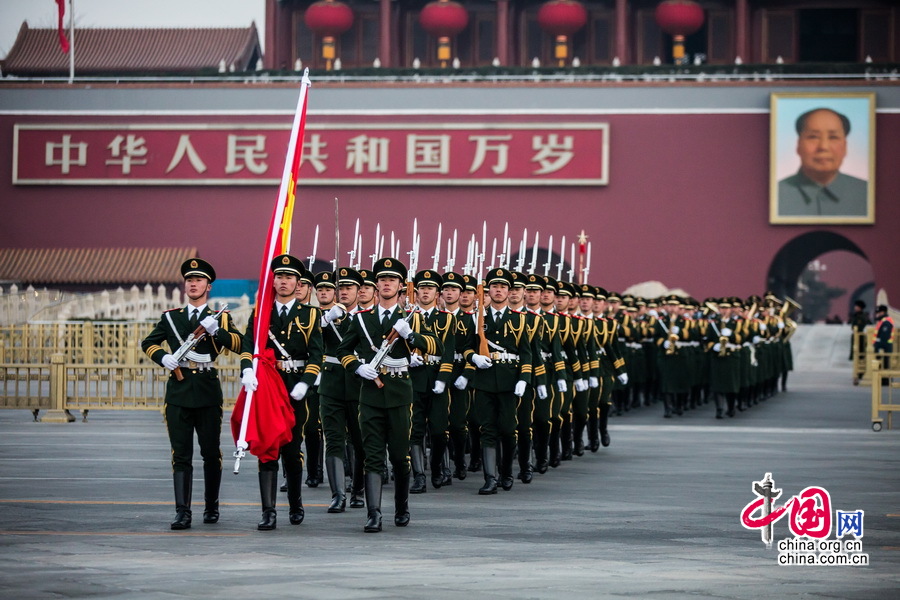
<point x="789" y="307"/>
<point x="673" y="337"/>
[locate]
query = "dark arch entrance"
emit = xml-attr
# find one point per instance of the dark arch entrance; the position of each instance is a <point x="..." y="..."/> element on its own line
<point x="791" y="260"/>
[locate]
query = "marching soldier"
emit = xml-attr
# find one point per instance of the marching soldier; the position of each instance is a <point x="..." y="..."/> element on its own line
<point x="611" y="367"/>
<point x="725" y="372"/>
<point x="386" y="394"/>
<point x="499" y="380"/>
<point x="536" y="288"/>
<point x="671" y="338"/>
<point x="193" y="392"/>
<point x="339" y="395"/>
<point x="460" y="396"/>
<point x="430" y="374"/>
<point x="295" y="336"/>
<point x="467" y="305"/>
<point x="884" y="337"/>
<point x="590" y="366"/>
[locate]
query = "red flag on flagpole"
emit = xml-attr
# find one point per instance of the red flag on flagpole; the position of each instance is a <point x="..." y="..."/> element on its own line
<point x="261" y="421"/>
<point x="63" y="40"/>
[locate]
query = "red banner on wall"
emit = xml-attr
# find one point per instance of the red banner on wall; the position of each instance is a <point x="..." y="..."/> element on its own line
<point x="333" y="154"/>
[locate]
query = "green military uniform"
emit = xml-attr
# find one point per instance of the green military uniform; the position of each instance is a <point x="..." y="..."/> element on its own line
<point x="195" y="402"/>
<point x="295" y="336"/>
<point x="610" y="365"/>
<point x="431" y="399"/>
<point x="536" y="385"/>
<point x="552" y="356"/>
<point x="725" y="358"/>
<point x="672" y="337"/>
<point x="560" y="437"/>
<point x="460" y="399"/>
<point x="384" y="412"/>
<point x="495" y="399"/>
<point x="339" y="403"/>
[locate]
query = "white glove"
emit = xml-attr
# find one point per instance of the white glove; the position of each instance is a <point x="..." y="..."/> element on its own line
<point x="299" y="391"/>
<point x="717" y="347"/>
<point x="562" y="386"/>
<point x="623" y="378"/>
<point x="667" y="344"/>
<point x="580" y="385"/>
<point x="403" y="328"/>
<point x="780" y="325"/>
<point x="726" y="332"/>
<point x="762" y="327"/>
<point x="169" y="362"/>
<point x="210" y="325"/>
<point x="481" y="361"/>
<point x="542" y="391"/>
<point x="593" y="382"/>
<point x="248" y="380"/>
<point x="415" y="360"/>
<point x="367" y="372"/>
<point x="675" y="330"/>
<point x="439" y="387"/>
<point x="460" y="383"/>
<point x="318" y="379"/>
<point x="520" y="389"/>
<point x="756" y="339"/>
<point x="652" y="312"/>
<point x="333" y="314"/>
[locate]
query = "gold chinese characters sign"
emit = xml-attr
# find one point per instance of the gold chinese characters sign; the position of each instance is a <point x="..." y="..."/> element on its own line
<point x="470" y="153"/>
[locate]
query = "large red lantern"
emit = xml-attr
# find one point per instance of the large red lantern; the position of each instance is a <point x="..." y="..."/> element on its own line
<point x="443" y="19"/>
<point x="329" y="18"/>
<point x="561" y="19"/>
<point x="679" y="18"/>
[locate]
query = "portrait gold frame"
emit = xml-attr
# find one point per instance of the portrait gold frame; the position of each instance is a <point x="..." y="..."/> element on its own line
<point x="817" y="100"/>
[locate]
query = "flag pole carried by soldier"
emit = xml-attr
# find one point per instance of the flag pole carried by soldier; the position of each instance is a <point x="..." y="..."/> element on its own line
<point x="194" y="399"/>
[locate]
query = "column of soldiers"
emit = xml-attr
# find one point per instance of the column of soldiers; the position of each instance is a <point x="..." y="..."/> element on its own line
<point x="528" y="375"/>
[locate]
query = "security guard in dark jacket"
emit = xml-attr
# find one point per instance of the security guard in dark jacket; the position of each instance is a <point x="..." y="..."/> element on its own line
<point x="295" y="335"/>
<point x="193" y="391"/>
<point x="386" y="395"/>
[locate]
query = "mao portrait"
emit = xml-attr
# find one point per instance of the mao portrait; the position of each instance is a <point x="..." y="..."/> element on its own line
<point x="822" y="158"/>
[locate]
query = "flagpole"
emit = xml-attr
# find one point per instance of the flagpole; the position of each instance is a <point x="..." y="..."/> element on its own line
<point x="71" y="41"/>
<point x="276" y="243"/>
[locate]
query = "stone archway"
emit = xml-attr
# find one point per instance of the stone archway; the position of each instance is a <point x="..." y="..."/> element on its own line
<point x="793" y="259"/>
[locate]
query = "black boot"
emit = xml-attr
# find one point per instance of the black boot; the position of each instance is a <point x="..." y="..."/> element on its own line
<point x="268" y="486"/>
<point x="565" y="437"/>
<point x="475" y="450"/>
<point x="334" y="467"/>
<point x="436" y="460"/>
<point x="182" y="481"/>
<point x="357" y="496"/>
<point x="295" y="500"/>
<point x="445" y="467"/>
<point x="526" y="471"/>
<point x="401" y="500"/>
<point x="554" y="443"/>
<point x="667" y="407"/>
<point x="417" y="458"/>
<point x="593" y="431"/>
<point x="603" y="423"/>
<point x="373" y="502"/>
<point x="212" y="478"/>
<point x="506" y="463"/>
<point x="489" y="457"/>
<point x="313" y="456"/>
<point x="541" y="448"/>
<point x="579" y="423"/>
<point x="458" y="440"/>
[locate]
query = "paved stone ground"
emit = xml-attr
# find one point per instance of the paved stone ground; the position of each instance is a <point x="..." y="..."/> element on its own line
<point x="85" y="507"/>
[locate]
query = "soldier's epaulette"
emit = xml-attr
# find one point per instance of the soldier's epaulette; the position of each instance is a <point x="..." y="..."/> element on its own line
<point x="446" y="312"/>
<point x="468" y="312"/>
<point x="365" y="310"/>
<point x="171" y="309"/>
<point x="516" y="311"/>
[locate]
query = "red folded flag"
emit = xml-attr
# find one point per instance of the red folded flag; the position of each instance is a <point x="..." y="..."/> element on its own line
<point x="63" y="40"/>
<point x="271" y="417"/>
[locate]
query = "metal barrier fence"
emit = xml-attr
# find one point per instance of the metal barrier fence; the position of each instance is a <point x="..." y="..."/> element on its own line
<point x="884" y="380"/>
<point x="60" y="386"/>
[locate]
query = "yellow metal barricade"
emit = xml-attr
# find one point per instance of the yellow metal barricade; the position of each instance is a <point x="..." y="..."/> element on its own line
<point x="884" y="382"/>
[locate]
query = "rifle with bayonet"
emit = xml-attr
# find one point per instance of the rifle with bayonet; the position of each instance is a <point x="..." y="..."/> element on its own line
<point x="186" y="350"/>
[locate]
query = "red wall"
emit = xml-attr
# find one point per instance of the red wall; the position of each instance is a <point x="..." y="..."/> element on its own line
<point x="687" y="204"/>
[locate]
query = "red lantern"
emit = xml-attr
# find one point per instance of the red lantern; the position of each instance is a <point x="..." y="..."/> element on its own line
<point x="328" y="18"/>
<point x="443" y="19"/>
<point x="562" y="18"/>
<point x="679" y="18"/>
